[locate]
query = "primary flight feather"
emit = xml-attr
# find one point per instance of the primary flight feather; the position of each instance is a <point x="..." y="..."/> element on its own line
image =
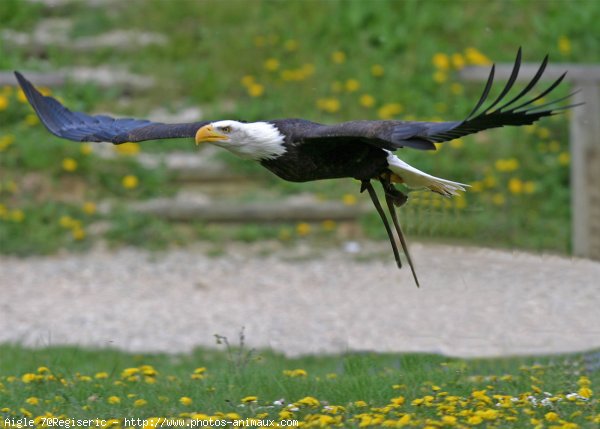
<point x="299" y="150"/>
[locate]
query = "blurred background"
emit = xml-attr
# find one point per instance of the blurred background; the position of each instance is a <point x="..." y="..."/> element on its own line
<point x="327" y="61"/>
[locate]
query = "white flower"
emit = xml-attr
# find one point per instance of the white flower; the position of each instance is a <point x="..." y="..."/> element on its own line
<point x="546" y="402"/>
<point x="279" y="402"/>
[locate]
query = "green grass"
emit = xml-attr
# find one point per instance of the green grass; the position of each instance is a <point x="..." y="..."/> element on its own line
<point x="215" y="58"/>
<point x="77" y="383"/>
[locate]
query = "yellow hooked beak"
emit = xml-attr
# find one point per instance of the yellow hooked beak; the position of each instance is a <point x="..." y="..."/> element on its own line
<point x="207" y="134"/>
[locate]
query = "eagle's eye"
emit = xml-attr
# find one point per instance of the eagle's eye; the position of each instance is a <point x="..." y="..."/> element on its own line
<point x="226" y="129"/>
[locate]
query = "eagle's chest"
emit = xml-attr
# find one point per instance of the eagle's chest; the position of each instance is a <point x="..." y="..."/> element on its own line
<point x="317" y="161"/>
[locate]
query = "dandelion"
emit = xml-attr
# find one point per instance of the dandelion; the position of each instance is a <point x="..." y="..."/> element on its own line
<point x="86" y="149"/>
<point x="389" y="110"/>
<point x="440" y="77"/>
<point x="140" y="403"/>
<point x="303" y="229"/>
<point x="31" y="120"/>
<point x="69" y="164"/>
<point x="5" y="142"/>
<point x="309" y="401"/>
<point x="3" y="102"/>
<point x="475" y="57"/>
<point x="328" y="225"/>
<point x="17" y="215"/>
<point x="367" y="101"/>
<point x="564" y="45"/>
<point x="127" y="149"/>
<point x="441" y="61"/>
<point x="456" y="89"/>
<point x="349" y="199"/>
<point x="338" y="57"/>
<point x="498" y="199"/>
<point x="352" y="85"/>
<point x="272" y="64"/>
<point x="293" y="373"/>
<point x="506" y="165"/>
<point x="564" y="158"/>
<point x="330" y="105"/>
<point x="249" y="399"/>
<point x="458" y="61"/>
<point x="256" y="90"/>
<point x="247" y="80"/>
<point x="377" y="70"/>
<point x="32" y="400"/>
<point x="101" y="375"/>
<point x="185" y="400"/>
<point x="29" y="378"/>
<point x="78" y="234"/>
<point x="515" y="186"/>
<point x="290" y="45"/>
<point x="130" y="181"/>
<point x="89" y="207"/>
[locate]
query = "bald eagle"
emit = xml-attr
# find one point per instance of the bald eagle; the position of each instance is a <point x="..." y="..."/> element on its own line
<point x="299" y="150"/>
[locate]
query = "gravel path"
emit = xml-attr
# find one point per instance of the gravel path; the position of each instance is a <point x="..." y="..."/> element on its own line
<point x="473" y="302"/>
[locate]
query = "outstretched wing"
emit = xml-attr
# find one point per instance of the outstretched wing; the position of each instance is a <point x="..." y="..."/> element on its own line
<point x="392" y="135"/>
<point x="77" y="126"/>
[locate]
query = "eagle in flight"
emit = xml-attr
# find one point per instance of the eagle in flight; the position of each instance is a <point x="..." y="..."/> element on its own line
<point x="299" y="150"/>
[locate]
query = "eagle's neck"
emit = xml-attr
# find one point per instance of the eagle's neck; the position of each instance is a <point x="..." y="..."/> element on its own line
<point x="263" y="141"/>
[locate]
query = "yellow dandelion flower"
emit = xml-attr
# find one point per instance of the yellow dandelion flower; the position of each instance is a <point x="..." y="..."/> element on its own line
<point x="456" y="89"/>
<point x="3" y="102"/>
<point x="295" y="373"/>
<point x="551" y="416"/>
<point x="564" y="158"/>
<point x="474" y="420"/>
<point x="377" y="70"/>
<point x="529" y="187"/>
<point x="389" y="110"/>
<point x="127" y="149"/>
<point x="128" y="372"/>
<point x="89" y="207"/>
<point x="349" y="199"/>
<point x="43" y="370"/>
<point x="29" y="378"/>
<point x="449" y="420"/>
<point x="185" y="400"/>
<point x="309" y="401"/>
<point x="101" y="375"/>
<point x="140" y="403"/>
<point x="328" y="225"/>
<point x="475" y="57"/>
<point x="367" y="101"/>
<point x="440" y="76"/>
<point x="515" y="186"/>
<point x="398" y="400"/>
<point x="67" y="221"/>
<point x="352" y="85"/>
<point x="247" y="80"/>
<point x="32" y="400"/>
<point x="130" y="182"/>
<point x="564" y="45"/>
<point x="303" y="229"/>
<point x="256" y="90"/>
<point x="441" y="61"/>
<point x="21" y="96"/>
<point x="249" y="399"/>
<point x="585" y="391"/>
<point x="456" y="144"/>
<point x="272" y="64"/>
<point x="31" y="120"/>
<point x="86" y="149"/>
<point x="78" y="233"/>
<point x="330" y="105"/>
<point x="17" y="215"/>
<point x="69" y="164"/>
<point x="338" y="57"/>
<point x="498" y="199"/>
<point x="290" y="45"/>
<point x="458" y="61"/>
<point x="543" y="132"/>
<point x="6" y="141"/>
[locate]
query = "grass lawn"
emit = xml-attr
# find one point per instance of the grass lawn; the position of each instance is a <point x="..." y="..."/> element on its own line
<point x="349" y="390"/>
<point x="327" y="61"/>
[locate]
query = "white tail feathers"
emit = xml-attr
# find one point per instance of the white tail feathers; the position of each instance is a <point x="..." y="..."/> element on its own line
<point x="417" y="179"/>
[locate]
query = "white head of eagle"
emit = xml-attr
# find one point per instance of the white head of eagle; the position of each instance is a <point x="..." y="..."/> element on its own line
<point x="253" y="140"/>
